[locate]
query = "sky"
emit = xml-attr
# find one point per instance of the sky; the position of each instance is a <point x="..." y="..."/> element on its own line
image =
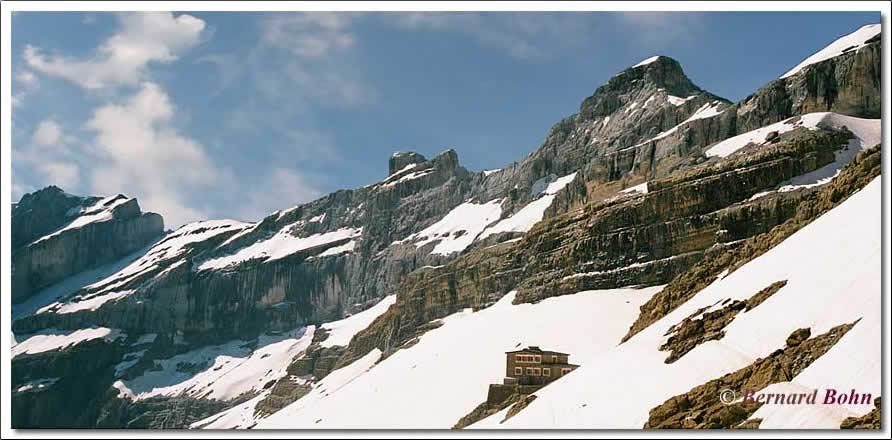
<point x="236" y="115"/>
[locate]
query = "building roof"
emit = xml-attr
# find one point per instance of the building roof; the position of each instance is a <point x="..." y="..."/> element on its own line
<point x="537" y="350"/>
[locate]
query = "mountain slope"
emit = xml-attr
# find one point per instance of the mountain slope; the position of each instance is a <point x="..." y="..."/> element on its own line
<point x="832" y="278"/>
<point x="446" y="373"/>
<point x="57" y="235"/>
<point x="650" y="177"/>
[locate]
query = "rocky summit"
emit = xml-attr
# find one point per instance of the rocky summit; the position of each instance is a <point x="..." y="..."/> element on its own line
<point x="645" y="236"/>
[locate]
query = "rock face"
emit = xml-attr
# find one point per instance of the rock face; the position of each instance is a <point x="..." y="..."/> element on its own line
<point x="677" y="225"/>
<point x="871" y="420"/>
<point x="78" y="376"/>
<point x="702" y="407"/>
<point x="848" y="84"/>
<point x="708" y="323"/>
<point x="621" y="193"/>
<point x="865" y="167"/>
<point x="56" y="235"/>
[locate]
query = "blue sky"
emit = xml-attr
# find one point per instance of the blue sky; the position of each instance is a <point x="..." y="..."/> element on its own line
<point x="236" y="115"/>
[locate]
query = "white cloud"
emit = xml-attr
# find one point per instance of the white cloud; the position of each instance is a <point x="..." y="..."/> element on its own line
<point x="660" y="29"/>
<point x="19" y="189"/>
<point x="48" y="154"/>
<point x="122" y="59"/>
<point x="308" y="34"/>
<point x="522" y="35"/>
<point x="322" y="82"/>
<point x="25" y="83"/>
<point x="143" y="154"/>
<point x="27" y="78"/>
<point x="280" y="189"/>
<point x="228" y="67"/>
<point x="61" y="174"/>
<point x="320" y="60"/>
<point x="48" y="132"/>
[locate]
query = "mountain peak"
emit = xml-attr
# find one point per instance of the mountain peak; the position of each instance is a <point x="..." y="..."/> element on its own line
<point x="658" y="72"/>
<point x="401" y="159"/>
<point x="648" y="61"/>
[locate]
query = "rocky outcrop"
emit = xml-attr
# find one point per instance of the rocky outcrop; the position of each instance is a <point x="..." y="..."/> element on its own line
<point x="708" y="323"/>
<point x="82" y="375"/>
<point x="847" y="84"/>
<point x="53" y="245"/>
<point x="285" y="391"/>
<point x="853" y="177"/>
<point x="703" y="407"/>
<point x="871" y="420"/>
<point x="157" y="412"/>
<point x="514" y="402"/>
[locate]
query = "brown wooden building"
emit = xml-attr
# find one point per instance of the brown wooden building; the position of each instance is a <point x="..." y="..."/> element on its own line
<point x="534" y="366"/>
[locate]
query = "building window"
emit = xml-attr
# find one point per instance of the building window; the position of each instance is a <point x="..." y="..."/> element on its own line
<point x="538" y="358"/>
<point x="536" y="372"/>
<point x="554" y="359"/>
<point x="546" y="371"/>
<point x="564" y="371"/>
<point x="518" y="371"/>
<point x="529" y="371"/>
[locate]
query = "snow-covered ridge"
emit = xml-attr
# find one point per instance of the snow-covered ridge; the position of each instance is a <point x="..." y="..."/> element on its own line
<point x="100" y="211"/>
<point x="708" y="110"/>
<point x="168" y="248"/>
<point x="280" y="245"/>
<point x="867" y="133"/>
<point x="524" y="219"/>
<point x="52" y="339"/>
<point x="854" y="41"/>
<point x="646" y="61"/>
<point x="459" y="228"/>
<point x="867" y="130"/>
<point x="391" y="181"/>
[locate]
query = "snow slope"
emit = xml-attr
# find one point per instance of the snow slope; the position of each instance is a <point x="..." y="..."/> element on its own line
<point x="459" y="228"/>
<point x="646" y="61"/>
<point x="51" y="339"/>
<point x="72" y="284"/>
<point x="866" y="130"/>
<point x="229" y="369"/>
<point x="280" y="245"/>
<point x="853" y="41"/>
<point x="108" y="287"/>
<point x="432" y="384"/>
<point x="832" y="270"/>
<point x="100" y="211"/>
<point x="340" y="332"/>
<point x="708" y="110"/>
<point x="242" y="415"/>
<point x="524" y="219"/>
